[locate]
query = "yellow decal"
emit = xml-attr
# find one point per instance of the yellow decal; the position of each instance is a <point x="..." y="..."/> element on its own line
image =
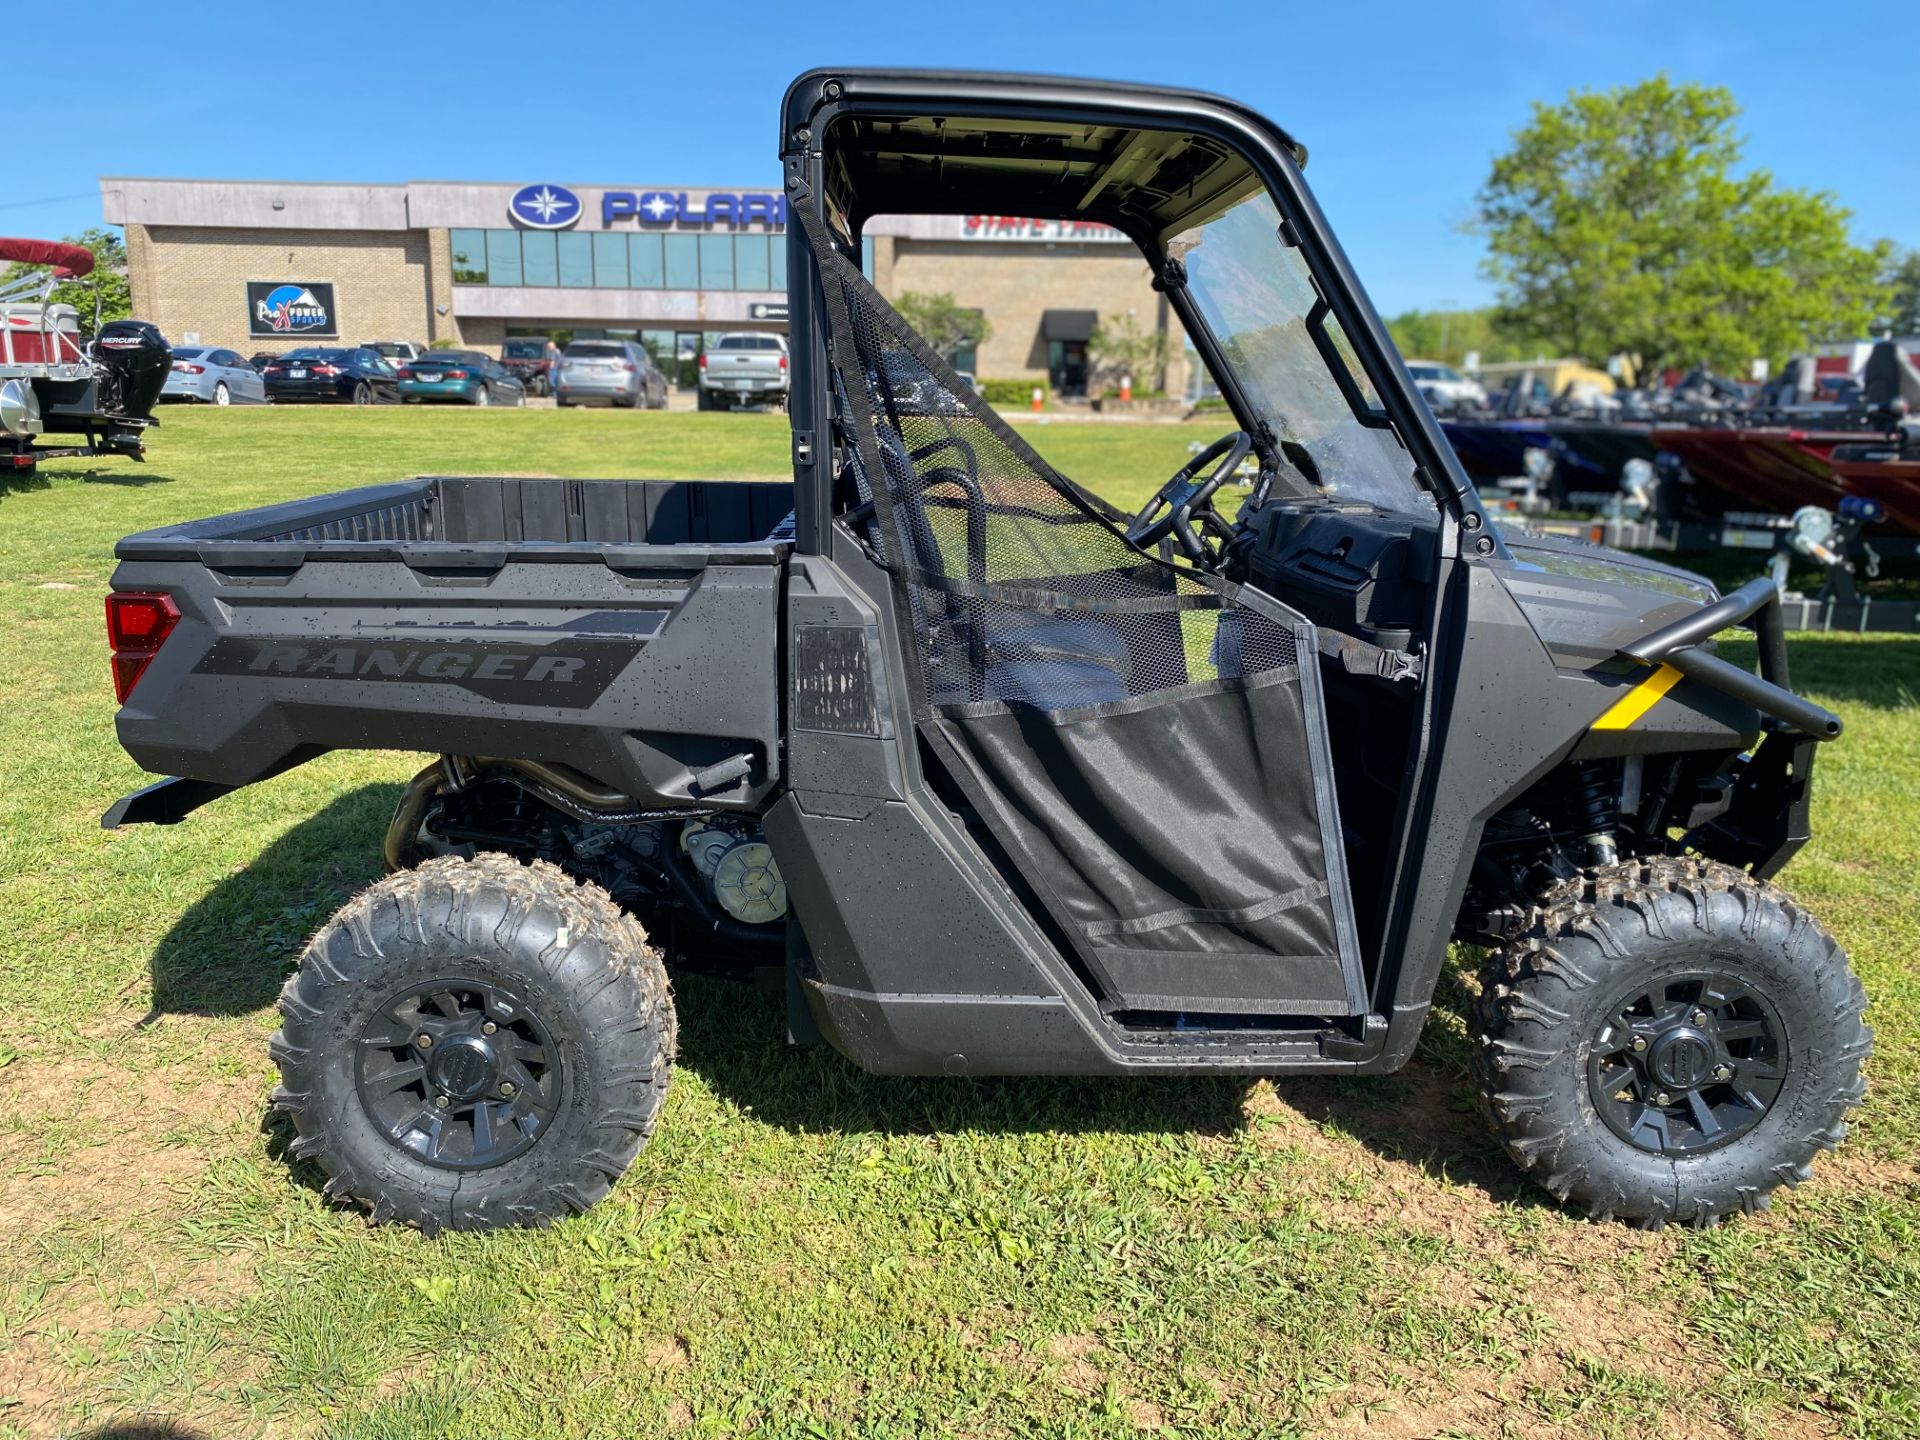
<point x="1637" y="701"/>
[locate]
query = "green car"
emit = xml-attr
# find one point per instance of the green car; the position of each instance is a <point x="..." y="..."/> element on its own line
<point x="463" y="375"/>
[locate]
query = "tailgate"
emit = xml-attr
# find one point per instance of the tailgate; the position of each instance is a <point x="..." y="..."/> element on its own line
<point x="639" y="665"/>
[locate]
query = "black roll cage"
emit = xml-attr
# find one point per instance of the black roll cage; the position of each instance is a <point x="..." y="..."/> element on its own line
<point x="820" y="98"/>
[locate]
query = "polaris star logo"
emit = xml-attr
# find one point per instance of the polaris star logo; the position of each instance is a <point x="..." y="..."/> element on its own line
<point x="544" y="207"/>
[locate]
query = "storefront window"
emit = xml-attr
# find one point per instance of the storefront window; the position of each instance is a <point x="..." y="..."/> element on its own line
<point x="503" y="257"/>
<point x="610" y="260"/>
<point x="469" y="256"/>
<point x="647" y="272"/>
<point x="539" y="260"/>
<point x="777" y="271"/>
<point x="750" y="262"/>
<point x="716" y="262"/>
<point x="683" y="261"/>
<point x="576" y="260"/>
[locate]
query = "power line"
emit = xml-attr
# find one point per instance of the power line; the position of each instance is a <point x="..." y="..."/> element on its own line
<point x="47" y="200"/>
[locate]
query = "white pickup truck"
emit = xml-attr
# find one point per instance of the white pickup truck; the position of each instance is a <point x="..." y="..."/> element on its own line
<point x="744" y="368"/>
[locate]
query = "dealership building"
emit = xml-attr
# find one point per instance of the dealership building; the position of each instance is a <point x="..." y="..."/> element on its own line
<point x="257" y="265"/>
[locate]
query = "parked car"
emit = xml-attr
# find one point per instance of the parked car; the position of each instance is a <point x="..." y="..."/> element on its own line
<point x="397" y="352"/>
<point x="214" y="377"/>
<point x="618" y="372"/>
<point x="463" y="375"/>
<point x="1446" y="384"/>
<point x="749" y="368"/>
<point x="531" y="360"/>
<point x="356" y="374"/>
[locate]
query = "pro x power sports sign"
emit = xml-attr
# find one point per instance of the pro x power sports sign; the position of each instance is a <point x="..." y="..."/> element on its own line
<point x="281" y="308"/>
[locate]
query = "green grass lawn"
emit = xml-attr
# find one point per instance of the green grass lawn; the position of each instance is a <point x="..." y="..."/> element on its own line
<point x="805" y="1250"/>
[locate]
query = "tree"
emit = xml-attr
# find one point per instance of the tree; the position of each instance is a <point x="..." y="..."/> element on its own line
<point x="1448" y="336"/>
<point x="108" y="280"/>
<point x="1118" y="346"/>
<point x="1902" y="279"/>
<point x="1616" y="224"/>
<point x="946" y="326"/>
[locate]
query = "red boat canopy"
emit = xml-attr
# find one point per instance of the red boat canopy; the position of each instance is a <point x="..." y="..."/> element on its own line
<point x="69" y="261"/>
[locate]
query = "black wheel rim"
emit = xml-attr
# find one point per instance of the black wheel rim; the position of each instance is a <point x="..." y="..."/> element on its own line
<point x="459" y="1073"/>
<point x="1686" y="1063"/>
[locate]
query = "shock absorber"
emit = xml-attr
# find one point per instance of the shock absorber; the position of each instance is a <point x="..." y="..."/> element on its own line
<point x="1595" y="797"/>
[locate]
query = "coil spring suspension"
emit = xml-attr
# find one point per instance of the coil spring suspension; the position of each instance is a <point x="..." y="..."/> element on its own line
<point x="1595" y="795"/>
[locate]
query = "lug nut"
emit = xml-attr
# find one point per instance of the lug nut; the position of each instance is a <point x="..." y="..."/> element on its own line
<point x="1662" y="1098"/>
<point x="506" y="1087"/>
<point x="441" y="1102"/>
<point x="1639" y="1043"/>
<point x="488" y="1028"/>
<point x="424" y="1041"/>
<point x="1723" y="1072"/>
<point x="1701" y="1017"/>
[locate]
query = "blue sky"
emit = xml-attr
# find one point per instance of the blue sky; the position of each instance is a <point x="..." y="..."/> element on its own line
<point x="1402" y="106"/>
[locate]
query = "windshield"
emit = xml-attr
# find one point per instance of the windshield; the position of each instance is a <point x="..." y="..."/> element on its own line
<point x="524" y="349"/>
<point x="1256" y="296"/>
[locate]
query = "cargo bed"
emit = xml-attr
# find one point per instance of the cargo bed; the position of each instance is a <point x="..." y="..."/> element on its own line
<point x="627" y="629"/>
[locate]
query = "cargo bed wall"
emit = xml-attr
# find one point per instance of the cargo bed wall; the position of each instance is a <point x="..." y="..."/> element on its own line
<point x="530" y="619"/>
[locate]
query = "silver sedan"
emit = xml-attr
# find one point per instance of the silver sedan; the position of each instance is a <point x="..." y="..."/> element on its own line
<point x="214" y="377"/>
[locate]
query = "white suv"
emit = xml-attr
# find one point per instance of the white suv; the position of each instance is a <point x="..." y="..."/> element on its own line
<point x="1444" y="383"/>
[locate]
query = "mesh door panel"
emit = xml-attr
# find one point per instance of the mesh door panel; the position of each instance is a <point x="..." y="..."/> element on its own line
<point x="1022" y="589"/>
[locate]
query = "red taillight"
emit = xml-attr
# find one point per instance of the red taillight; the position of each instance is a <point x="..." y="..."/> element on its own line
<point x="783" y="364"/>
<point x="326" y="370"/>
<point x="703" y="362"/>
<point x="453" y="374"/>
<point x="138" y="624"/>
<point x="626" y="364"/>
<point x="406" y="372"/>
<point x="185" y="369"/>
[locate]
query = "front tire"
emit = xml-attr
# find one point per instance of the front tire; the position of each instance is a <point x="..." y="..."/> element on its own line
<point x="222" y="395"/>
<point x="475" y="1043"/>
<point x="1669" y="1040"/>
<point x="482" y="396"/>
<point x="363" y="394"/>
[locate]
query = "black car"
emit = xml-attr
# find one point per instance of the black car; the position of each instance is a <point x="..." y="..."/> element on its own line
<point x="356" y="374"/>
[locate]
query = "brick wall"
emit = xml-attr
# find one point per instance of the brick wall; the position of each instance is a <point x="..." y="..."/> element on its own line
<point x="189" y="278"/>
<point x="1016" y="283"/>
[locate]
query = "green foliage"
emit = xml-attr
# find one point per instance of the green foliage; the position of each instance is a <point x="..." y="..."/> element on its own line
<point x="1119" y="346"/>
<point x="1902" y="279"/>
<point x="445" y="342"/>
<point x="1617" y="224"/>
<point x="1011" y="394"/>
<point x="947" y="326"/>
<point x="1448" y="335"/>
<point x="108" y="280"/>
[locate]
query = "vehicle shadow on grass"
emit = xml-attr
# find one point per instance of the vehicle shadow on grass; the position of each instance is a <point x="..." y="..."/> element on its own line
<point x="234" y="947"/>
<point x="231" y="951"/>
<point x="143" y="1430"/>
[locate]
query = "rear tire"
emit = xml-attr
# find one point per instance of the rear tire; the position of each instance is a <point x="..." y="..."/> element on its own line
<point x="531" y="987"/>
<point x="1669" y="1040"/>
<point x="703" y="400"/>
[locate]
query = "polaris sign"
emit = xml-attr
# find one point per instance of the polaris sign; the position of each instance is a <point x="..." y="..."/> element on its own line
<point x="282" y="308"/>
<point x="544" y="207"/>
<point x="656" y="208"/>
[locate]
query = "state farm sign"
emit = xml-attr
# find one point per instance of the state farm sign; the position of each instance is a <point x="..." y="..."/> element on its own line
<point x="1018" y="227"/>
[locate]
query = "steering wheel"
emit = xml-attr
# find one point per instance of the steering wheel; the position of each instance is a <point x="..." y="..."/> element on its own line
<point x="1185" y="499"/>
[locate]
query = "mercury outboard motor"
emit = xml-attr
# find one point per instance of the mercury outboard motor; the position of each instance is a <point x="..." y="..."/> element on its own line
<point x="133" y="359"/>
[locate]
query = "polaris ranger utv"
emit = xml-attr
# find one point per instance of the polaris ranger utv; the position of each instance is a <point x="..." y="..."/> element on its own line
<point x="1008" y="782"/>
